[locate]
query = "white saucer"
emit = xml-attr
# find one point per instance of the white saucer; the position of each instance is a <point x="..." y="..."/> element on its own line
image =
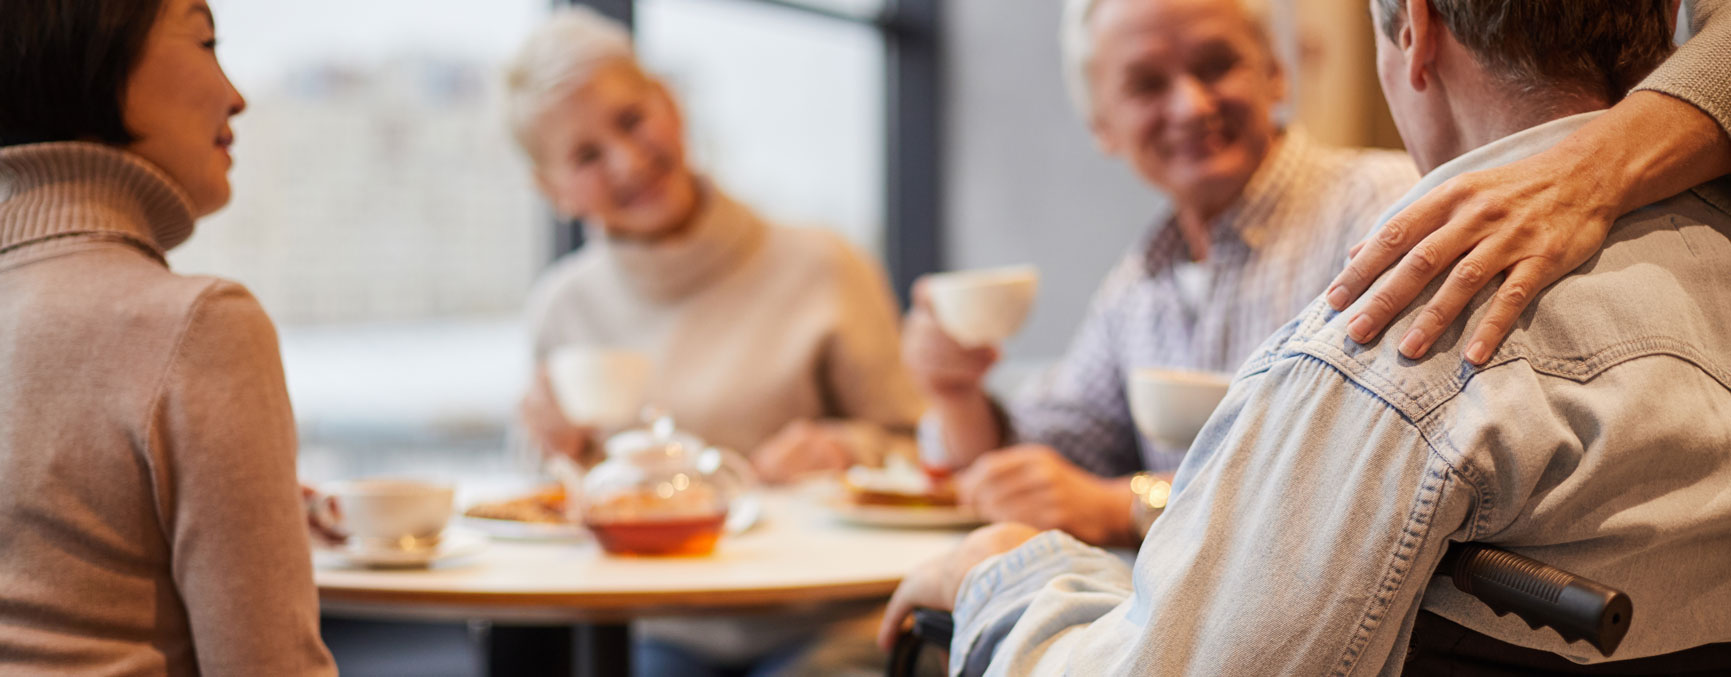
<point x="456" y="542"/>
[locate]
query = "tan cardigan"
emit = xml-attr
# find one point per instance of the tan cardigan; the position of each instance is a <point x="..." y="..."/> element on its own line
<point x="150" y="520"/>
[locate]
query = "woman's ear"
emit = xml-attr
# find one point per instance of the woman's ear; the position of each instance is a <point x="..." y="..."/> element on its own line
<point x="563" y="207"/>
<point x="664" y="97"/>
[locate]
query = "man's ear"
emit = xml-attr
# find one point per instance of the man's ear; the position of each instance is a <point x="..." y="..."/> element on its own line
<point x="1418" y="40"/>
<point x="1102" y="139"/>
<point x="1277" y="75"/>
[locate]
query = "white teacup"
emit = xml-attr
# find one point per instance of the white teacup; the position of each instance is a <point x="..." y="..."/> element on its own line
<point x="598" y="386"/>
<point x="390" y="514"/>
<point x="983" y="307"/>
<point x="1170" y="406"/>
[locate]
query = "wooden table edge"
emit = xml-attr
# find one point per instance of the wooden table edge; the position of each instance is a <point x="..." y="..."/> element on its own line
<point x="594" y="607"/>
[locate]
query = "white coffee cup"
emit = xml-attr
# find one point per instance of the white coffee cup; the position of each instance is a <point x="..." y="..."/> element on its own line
<point x="598" y="386"/>
<point x="1170" y="406"/>
<point x="389" y="514"/>
<point x="983" y="307"/>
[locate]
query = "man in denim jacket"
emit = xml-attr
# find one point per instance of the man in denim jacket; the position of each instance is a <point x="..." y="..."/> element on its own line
<point x="1314" y="507"/>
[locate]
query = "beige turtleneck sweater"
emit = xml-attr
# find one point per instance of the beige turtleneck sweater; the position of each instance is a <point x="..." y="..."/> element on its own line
<point x="749" y="326"/>
<point x="150" y="521"/>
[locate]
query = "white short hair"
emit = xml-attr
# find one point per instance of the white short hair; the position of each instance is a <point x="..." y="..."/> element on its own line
<point x="1076" y="40"/>
<point x="557" y="58"/>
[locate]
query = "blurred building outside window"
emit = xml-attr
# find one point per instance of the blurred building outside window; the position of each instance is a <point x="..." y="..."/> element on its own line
<point x="383" y="217"/>
<point x="784" y="109"/>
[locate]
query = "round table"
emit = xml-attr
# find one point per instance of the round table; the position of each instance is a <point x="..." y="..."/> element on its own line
<point x="797" y="554"/>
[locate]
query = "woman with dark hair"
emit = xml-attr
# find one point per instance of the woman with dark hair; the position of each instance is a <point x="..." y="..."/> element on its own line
<point x="150" y="522"/>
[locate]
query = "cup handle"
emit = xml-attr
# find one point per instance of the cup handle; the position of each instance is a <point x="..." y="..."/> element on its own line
<point x="324" y="519"/>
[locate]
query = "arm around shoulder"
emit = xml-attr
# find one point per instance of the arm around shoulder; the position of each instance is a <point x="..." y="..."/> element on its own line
<point x="1696" y="73"/>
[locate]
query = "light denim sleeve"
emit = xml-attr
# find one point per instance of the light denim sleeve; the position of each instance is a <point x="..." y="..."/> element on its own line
<point x="1243" y="575"/>
<point x="997" y="591"/>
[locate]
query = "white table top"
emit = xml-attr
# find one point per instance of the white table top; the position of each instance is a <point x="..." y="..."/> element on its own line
<point x="797" y="554"/>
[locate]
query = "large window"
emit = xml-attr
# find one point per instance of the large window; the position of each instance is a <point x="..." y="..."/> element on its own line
<point x="380" y="214"/>
<point x="383" y="218"/>
<point x="784" y="108"/>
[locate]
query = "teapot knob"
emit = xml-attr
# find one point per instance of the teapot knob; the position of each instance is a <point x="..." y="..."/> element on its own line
<point x="660" y="422"/>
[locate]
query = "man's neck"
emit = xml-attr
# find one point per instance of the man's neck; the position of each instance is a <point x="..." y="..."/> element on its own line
<point x="1498" y="110"/>
<point x="1196" y="215"/>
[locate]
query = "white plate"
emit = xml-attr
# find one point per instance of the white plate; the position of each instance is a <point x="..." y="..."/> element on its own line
<point x="513" y="530"/>
<point x="456" y="542"/>
<point x="903" y="517"/>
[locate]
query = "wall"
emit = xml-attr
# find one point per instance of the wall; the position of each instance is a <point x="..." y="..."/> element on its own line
<point x="1024" y="183"/>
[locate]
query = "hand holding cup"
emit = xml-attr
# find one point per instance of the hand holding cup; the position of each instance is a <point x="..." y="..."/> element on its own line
<point x="950" y="338"/>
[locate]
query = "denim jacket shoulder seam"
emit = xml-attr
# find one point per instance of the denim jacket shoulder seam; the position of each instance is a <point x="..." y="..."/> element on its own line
<point x="1587" y="368"/>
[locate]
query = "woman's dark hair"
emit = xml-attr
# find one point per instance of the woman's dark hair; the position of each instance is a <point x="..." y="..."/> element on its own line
<point x="64" y="66"/>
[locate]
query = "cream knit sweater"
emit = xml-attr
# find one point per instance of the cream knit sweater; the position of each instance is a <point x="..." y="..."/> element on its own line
<point x="150" y="522"/>
<point x="749" y="327"/>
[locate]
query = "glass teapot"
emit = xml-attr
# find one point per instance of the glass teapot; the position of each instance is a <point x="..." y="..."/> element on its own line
<point x="665" y="492"/>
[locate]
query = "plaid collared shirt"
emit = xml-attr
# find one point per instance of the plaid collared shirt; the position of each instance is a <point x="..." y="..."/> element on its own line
<point x="1270" y="255"/>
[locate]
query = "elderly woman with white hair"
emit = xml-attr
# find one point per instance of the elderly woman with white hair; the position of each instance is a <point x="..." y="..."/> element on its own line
<point x="1184" y="92"/>
<point x="779" y="341"/>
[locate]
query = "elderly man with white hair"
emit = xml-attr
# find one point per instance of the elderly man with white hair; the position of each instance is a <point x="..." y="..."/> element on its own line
<point x="776" y="341"/>
<point x="1184" y="92"/>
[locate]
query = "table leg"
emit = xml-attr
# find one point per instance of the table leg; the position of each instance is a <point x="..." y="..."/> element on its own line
<point x="604" y="650"/>
<point x="527" y="650"/>
<point x="556" y="650"/>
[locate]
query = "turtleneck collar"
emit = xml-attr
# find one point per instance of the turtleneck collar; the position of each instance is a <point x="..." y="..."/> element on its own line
<point x="56" y="190"/>
<point x="722" y="236"/>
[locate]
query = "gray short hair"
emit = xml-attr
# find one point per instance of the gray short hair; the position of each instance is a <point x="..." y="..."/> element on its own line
<point x="557" y="58"/>
<point x="1076" y="41"/>
<point x="1597" y="47"/>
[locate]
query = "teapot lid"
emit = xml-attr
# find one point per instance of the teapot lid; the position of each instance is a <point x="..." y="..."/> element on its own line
<point x="658" y="434"/>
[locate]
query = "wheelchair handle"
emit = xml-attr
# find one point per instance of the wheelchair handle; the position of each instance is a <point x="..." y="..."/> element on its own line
<point x="1540" y="594"/>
